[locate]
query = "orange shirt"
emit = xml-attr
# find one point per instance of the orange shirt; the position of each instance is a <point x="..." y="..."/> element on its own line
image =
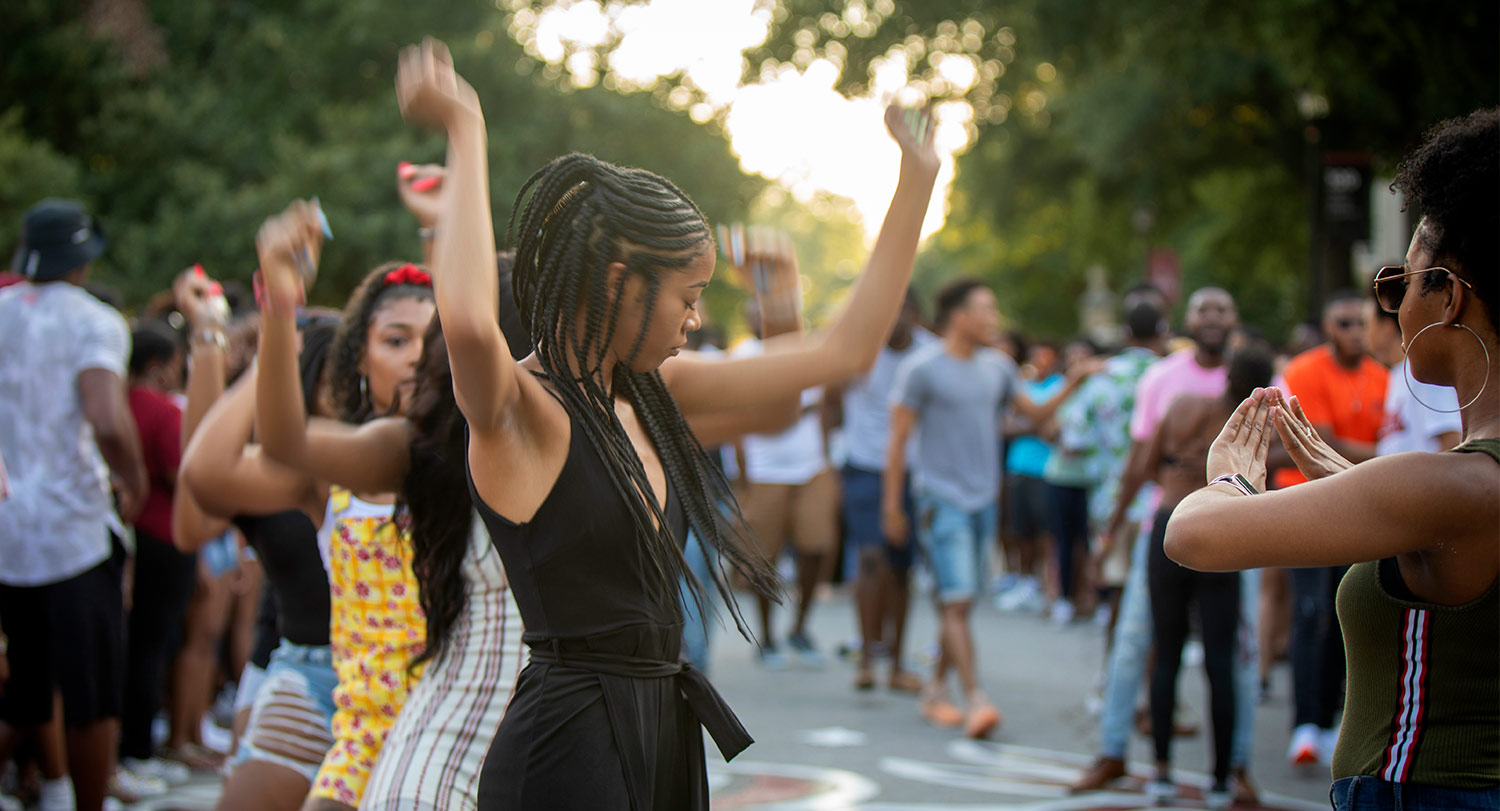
<point x="1350" y="400"/>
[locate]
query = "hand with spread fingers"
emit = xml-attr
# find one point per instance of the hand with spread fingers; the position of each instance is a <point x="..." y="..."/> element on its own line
<point x="1246" y="439"/>
<point x="1314" y="457"/>
<point x="429" y="90"/>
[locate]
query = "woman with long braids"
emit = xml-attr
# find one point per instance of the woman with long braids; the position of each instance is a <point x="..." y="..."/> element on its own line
<point x="1420" y="605"/>
<point x="580" y="457"/>
<point x="432" y="755"/>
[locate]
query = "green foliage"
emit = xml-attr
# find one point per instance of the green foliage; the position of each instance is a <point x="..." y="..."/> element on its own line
<point x="1193" y="118"/>
<point x="255" y="103"/>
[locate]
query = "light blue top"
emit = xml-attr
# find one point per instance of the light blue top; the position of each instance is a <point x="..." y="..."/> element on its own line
<point x="958" y="403"/>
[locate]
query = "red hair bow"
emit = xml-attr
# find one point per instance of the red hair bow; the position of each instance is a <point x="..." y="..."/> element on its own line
<point x="409" y="274"/>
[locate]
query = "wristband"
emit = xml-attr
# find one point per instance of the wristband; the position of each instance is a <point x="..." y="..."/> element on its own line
<point x="210" y="337"/>
<point x="1238" y="482"/>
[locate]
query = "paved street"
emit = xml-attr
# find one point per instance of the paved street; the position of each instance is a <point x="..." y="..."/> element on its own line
<point x="820" y="745"/>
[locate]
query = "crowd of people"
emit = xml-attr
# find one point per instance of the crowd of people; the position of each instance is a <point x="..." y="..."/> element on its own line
<point x="466" y="540"/>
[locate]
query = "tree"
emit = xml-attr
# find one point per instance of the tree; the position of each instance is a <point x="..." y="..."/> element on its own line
<point x="252" y="104"/>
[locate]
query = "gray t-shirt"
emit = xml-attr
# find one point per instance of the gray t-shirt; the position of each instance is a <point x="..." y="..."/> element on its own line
<point x="958" y="402"/>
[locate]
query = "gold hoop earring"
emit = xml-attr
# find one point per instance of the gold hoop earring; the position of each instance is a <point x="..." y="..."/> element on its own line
<point x="1407" y="376"/>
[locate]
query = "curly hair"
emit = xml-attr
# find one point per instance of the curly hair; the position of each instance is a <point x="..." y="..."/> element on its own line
<point x="349" y="396"/>
<point x="571" y="220"/>
<point x="1452" y="179"/>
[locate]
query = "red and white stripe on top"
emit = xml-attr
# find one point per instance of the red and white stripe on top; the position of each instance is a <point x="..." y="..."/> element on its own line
<point x="1413" y="696"/>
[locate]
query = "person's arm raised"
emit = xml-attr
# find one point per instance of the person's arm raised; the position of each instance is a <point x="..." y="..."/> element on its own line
<point x="465" y="284"/>
<point x="851" y="345"/>
<point x="227" y="476"/>
<point x="371" y="458"/>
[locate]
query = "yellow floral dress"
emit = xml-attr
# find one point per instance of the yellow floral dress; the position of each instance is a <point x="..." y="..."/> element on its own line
<point x="376" y="628"/>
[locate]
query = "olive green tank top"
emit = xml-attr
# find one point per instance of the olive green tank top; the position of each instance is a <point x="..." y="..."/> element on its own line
<point x="1423" y="696"/>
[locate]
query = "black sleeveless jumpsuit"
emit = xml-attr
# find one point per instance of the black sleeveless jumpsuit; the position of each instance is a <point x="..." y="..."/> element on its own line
<point x="605" y="715"/>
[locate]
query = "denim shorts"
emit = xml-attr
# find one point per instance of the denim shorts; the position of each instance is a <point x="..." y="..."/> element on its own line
<point x="292" y="718"/>
<point x="864" y="492"/>
<point x="957" y="545"/>
<point x="1367" y="793"/>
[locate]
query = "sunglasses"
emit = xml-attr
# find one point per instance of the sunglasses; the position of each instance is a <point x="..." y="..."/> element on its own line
<point x="1391" y="283"/>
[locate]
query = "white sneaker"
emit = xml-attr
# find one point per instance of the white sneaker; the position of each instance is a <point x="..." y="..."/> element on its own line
<point x="1062" y="612"/>
<point x="1025" y="596"/>
<point x="168" y="771"/>
<point x="56" y="795"/>
<point x="1304" y="748"/>
<point x="1161" y="791"/>
<point x="1328" y="740"/>
<point x="128" y="787"/>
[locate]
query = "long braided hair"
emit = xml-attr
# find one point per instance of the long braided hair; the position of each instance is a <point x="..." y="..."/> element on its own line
<point x="350" y="397"/>
<point x="571" y="220"/>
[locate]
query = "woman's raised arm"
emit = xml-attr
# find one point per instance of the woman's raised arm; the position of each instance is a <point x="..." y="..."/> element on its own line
<point x="465" y="283"/>
<point x="370" y="458"/>
<point x="851" y="345"/>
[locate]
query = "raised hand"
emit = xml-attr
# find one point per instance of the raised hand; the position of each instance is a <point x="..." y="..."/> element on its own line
<point x="1246" y="439"/>
<point x="430" y="91"/>
<point x="288" y="246"/>
<point x="913" y="129"/>
<point x="1313" y="456"/>
<point x="766" y="262"/>
<point x="421" y="190"/>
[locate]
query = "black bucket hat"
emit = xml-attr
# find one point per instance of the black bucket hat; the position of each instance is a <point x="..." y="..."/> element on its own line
<point x="57" y="237"/>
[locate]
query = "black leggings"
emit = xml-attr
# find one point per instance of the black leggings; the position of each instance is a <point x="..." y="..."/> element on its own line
<point x="164" y="583"/>
<point x="1172" y="591"/>
<point x="1068" y="514"/>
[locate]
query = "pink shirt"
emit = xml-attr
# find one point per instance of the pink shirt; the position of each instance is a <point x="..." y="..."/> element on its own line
<point x="1171" y="377"/>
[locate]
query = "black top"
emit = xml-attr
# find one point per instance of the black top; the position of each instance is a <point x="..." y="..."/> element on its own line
<point x="287" y="545"/>
<point x="605" y="693"/>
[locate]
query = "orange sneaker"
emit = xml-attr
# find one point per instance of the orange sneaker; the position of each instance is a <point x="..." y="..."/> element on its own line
<point x="939" y="711"/>
<point x="982" y="720"/>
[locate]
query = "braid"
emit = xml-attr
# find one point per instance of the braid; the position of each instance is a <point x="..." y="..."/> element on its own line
<point x="570" y="221"/>
<point x="352" y="403"/>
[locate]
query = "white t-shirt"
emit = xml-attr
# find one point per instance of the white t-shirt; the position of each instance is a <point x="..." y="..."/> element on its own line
<point x="57" y="521"/>
<point x="1411" y="426"/>
<point x="867" y="406"/>
<point x="793" y="456"/>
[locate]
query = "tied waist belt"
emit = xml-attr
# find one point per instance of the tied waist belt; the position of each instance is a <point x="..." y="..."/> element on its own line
<point x="712" y="711"/>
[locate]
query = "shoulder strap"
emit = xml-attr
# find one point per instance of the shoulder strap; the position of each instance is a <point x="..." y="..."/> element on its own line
<point x="1490" y="447"/>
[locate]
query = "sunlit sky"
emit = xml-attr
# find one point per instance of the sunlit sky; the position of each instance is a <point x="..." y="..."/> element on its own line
<point x="788" y="124"/>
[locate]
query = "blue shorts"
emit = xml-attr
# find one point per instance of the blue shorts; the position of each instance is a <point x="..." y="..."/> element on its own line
<point x="291" y="720"/>
<point x="1373" y="794"/>
<point x="863" y="494"/>
<point x="957" y="543"/>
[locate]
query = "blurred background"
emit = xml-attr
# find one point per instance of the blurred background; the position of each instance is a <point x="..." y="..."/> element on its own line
<point x="1090" y="143"/>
